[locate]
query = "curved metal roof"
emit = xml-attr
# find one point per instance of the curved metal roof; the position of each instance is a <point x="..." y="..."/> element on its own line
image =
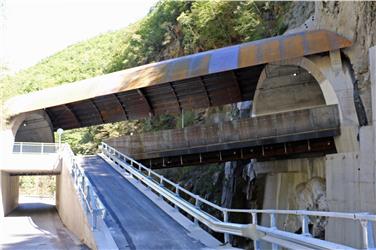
<point x="210" y="78"/>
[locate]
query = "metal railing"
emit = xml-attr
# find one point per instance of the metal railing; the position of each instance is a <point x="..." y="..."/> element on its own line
<point x="35" y="148"/>
<point x="254" y="231"/>
<point x="94" y="208"/>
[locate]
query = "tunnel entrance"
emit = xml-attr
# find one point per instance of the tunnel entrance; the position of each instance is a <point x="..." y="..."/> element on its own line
<point x="38" y="186"/>
<point x="35" y="223"/>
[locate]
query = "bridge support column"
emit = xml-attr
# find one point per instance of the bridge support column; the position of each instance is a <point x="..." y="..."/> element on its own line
<point x="8" y="184"/>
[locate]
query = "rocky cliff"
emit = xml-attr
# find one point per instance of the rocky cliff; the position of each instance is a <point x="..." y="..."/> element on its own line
<point x="241" y="186"/>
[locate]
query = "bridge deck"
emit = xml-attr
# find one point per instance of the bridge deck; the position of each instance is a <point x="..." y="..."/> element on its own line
<point x="142" y="223"/>
<point x="277" y="135"/>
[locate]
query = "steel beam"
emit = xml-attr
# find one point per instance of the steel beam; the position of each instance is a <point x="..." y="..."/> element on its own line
<point x="146" y="101"/>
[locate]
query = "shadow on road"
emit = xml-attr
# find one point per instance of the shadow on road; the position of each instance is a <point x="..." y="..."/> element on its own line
<point x="35" y="224"/>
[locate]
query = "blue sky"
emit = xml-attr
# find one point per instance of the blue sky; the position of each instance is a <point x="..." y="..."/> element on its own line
<point x="34" y="29"/>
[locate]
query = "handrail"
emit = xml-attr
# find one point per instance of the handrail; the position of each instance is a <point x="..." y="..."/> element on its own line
<point x="253" y="231"/>
<point x="91" y="202"/>
<point x="35" y="148"/>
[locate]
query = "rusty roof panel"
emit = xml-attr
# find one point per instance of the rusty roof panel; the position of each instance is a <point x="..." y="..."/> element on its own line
<point x="223" y="75"/>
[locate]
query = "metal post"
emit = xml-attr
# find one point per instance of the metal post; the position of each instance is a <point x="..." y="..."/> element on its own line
<point x="161" y="185"/>
<point x="367" y="233"/>
<point x="305" y="229"/>
<point x="197" y="205"/>
<point x="59" y="132"/>
<point x="177" y="194"/>
<point x="21" y="144"/>
<point x="256" y="243"/>
<point x="42" y="148"/>
<point x="94" y="219"/>
<point x="273" y="225"/>
<point x="161" y="180"/>
<point x="182" y="118"/>
<point x="226" y="235"/>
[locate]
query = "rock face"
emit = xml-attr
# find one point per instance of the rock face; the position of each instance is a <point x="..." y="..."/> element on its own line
<point x="357" y="22"/>
<point x="299" y="14"/>
<point x="311" y="195"/>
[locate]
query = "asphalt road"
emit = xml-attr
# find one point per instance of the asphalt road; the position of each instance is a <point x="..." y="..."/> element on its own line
<point x="35" y="224"/>
<point x="138" y="219"/>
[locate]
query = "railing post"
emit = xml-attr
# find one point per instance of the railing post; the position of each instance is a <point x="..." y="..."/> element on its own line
<point x="273" y="225"/>
<point x="367" y="234"/>
<point x="177" y="194"/>
<point x="226" y="235"/>
<point x="161" y="181"/>
<point x="305" y="228"/>
<point x="256" y="243"/>
<point x="21" y="144"/>
<point x="161" y="185"/>
<point x="42" y="148"/>
<point x="197" y="205"/>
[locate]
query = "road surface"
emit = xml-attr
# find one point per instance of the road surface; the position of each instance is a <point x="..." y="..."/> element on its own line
<point x="142" y="223"/>
<point x="35" y="224"/>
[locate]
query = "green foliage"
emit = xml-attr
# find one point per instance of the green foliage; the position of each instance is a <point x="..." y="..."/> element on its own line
<point x="215" y="24"/>
<point x="44" y="186"/>
<point x="171" y="29"/>
<point x="86" y="140"/>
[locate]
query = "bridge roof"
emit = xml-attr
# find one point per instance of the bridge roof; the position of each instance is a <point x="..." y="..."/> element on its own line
<point x="201" y="80"/>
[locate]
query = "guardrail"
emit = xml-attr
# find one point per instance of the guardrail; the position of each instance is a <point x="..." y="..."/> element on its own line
<point x="35" y="148"/>
<point x="89" y="199"/>
<point x="253" y="230"/>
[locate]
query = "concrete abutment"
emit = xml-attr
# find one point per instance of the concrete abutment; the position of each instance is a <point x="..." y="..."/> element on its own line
<point x="350" y="174"/>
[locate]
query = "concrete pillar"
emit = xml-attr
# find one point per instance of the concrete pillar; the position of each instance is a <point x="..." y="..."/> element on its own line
<point x="9" y="193"/>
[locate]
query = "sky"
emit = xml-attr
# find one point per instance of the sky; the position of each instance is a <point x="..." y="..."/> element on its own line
<point x="34" y="29"/>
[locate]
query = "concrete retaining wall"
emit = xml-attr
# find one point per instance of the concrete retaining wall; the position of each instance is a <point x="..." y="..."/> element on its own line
<point x="70" y="209"/>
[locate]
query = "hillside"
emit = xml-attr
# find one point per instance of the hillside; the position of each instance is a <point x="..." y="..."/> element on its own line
<point x="171" y="29"/>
